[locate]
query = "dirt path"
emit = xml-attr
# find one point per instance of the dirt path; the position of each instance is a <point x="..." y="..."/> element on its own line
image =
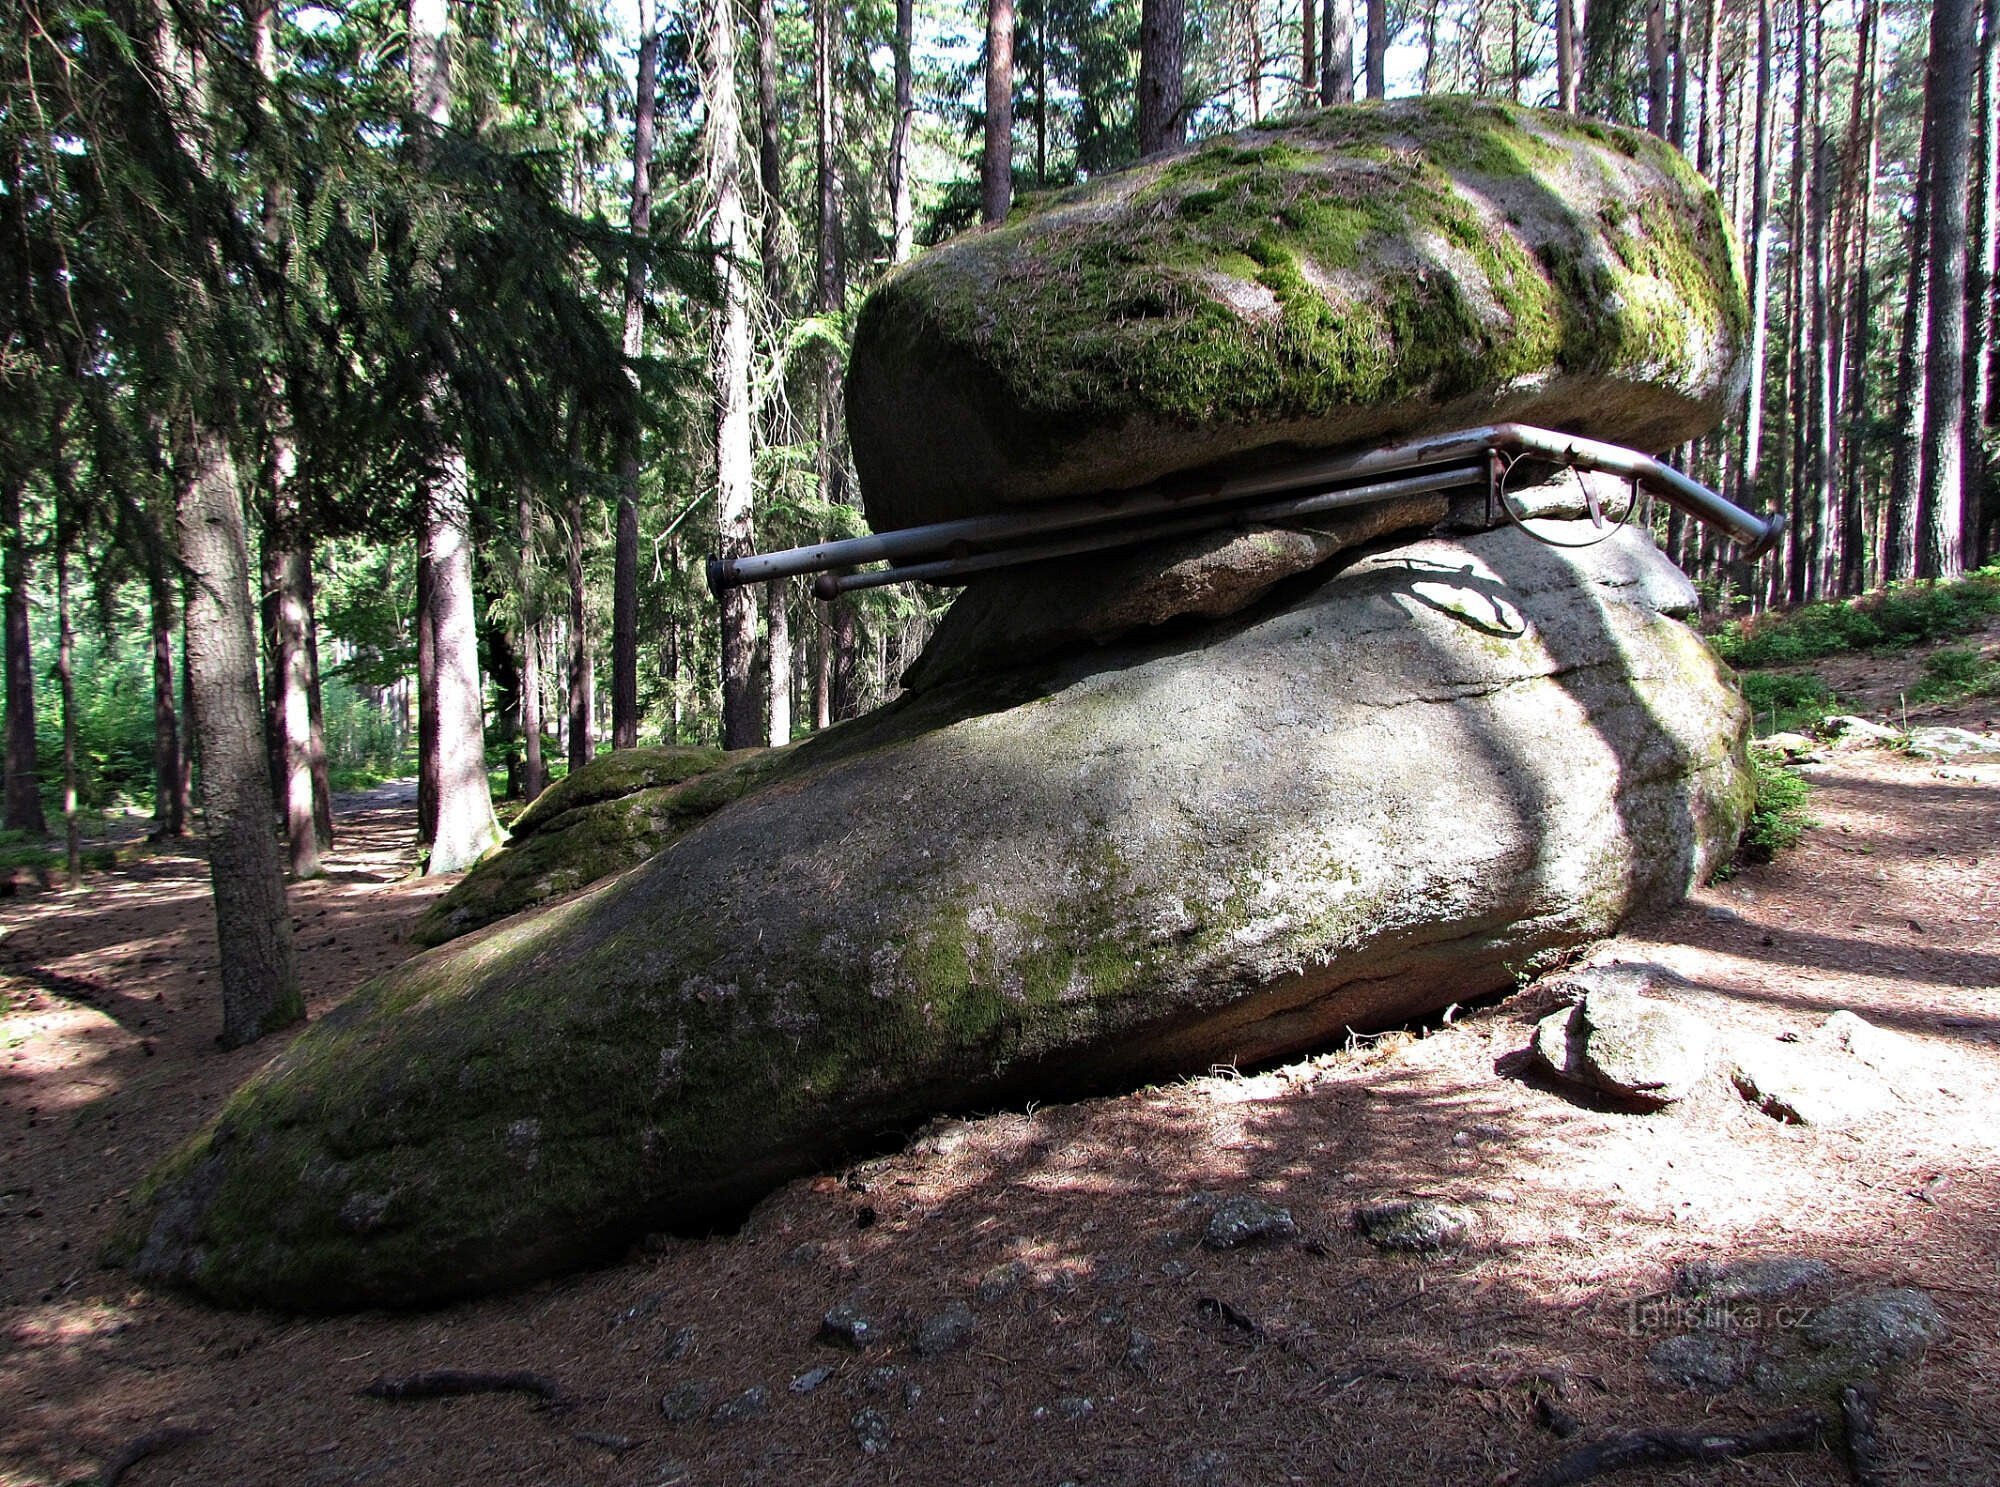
<point x="1107" y="1345"/>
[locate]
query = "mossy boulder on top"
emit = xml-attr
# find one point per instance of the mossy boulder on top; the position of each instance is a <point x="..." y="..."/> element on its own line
<point x="1361" y="273"/>
<point x="1397" y="789"/>
<point x="614" y="813"/>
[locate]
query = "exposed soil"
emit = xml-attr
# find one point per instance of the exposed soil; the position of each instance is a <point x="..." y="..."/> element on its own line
<point x="1108" y="1346"/>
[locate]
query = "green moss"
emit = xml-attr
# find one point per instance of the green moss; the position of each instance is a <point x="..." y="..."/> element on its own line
<point x="1084" y="324"/>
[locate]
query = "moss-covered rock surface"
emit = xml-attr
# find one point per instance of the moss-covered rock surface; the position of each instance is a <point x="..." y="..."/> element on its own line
<point x="1359" y="273"/>
<point x="614" y="813"/>
<point x="1404" y="787"/>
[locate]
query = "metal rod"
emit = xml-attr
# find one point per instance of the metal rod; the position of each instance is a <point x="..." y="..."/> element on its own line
<point x="1002" y="535"/>
<point x="832" y="585"/>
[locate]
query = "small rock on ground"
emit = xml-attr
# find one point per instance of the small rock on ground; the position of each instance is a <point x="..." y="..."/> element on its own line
<point x="811" y="1379"/>
<point x="1763" y="1279"/>
<point x="1807" y="1091"/>
<point x="1851" y="1341"/>
<point x="1887" y="1053"/>
<point x="950" y="1331"/>
<point x="1420" y="1225"/>
<point x="751" y="1404"/>
<point x="1245" y="1220"/>
<point x="685" y="1403"/>
<point x="848" y="1326"/>
<point x="871" y="1431"/>
<point x="1637" y="1048"/>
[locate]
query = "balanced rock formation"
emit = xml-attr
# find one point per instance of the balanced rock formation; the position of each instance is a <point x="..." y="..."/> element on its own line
<point x="1352" y="275"/>
<point x="1397" y="787"/>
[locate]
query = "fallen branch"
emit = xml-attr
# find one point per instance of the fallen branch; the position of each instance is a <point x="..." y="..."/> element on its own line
<point x="1864" y="1445"/>
<point x="1675" y="1447"/>
<point x="449" y="1383"/>
<point x="149" y="1444"/>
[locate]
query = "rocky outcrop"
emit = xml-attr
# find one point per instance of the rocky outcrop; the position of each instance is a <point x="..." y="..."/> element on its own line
<point x="1353" y="275"/>
<point x="614" y="813"/>
<point x="1403" y="787"/>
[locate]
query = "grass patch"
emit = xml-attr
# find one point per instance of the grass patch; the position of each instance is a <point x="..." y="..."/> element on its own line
<point x="1899" y="616"/>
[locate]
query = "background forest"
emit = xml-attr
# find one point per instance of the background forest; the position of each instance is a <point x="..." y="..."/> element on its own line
<point x="378" y="375"/>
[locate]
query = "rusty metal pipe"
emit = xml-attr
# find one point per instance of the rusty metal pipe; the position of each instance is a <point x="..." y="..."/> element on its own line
<point x="949" y="570"/>
<point x="1144" y="512"/>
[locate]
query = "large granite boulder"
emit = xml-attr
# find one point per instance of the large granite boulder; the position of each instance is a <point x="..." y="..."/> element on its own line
<point x="614" y="813"/>
<point x="1356" y="274"/>
<point x="1403" y="787"/>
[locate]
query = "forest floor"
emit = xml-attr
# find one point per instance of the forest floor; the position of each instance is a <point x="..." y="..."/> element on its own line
<point x="1107" y="1345"/>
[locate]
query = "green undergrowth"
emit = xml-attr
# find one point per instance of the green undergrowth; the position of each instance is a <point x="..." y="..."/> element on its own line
<point x="1779" y="817"/>
<point x="1901" y="615"/>
<point x="1956" y="672"/>
<point x="1783" y="701"/>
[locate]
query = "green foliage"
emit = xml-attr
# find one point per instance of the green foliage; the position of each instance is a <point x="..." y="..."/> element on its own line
<point x="1784" y="700"/>
<point x="1954" y="672"/>
<point x="1779" y="817"/>
<point x="1902" y="615"/>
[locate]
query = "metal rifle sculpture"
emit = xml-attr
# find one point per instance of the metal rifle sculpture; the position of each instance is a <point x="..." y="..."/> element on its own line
<point x="953" y="551"/>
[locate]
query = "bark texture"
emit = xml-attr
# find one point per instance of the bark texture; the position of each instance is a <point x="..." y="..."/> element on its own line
<point x="996" y="161"/>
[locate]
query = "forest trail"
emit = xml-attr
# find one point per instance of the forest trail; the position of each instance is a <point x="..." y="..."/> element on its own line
<point x="1107" y="1345"/>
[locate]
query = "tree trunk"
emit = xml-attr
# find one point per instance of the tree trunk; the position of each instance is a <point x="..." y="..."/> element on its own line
<point x="427" y="708"/>
<point x="1378" y="47"/>
<point x="1982" y="268"/>
<point x="290" y="568"/>
<point x="777" y="619"/>
<point x="1308" y="52"/>
<point x="625" y="559"/>
<point x="1860" y="307"/>
<point x="580" y="676"/>
<point x="1760" y="267"/>
<point x="1941" y="498"/>
<point x="1912" y="379"/>
<point x="1162" y="58"/>
<point x="731" y="366"/>
<point x="1708" y="131"/>
<point x="535" y="772"/>
<point x="66" y="681"/>
<point x="464" y="826"/>
<point x="1677" y="117"/>
<point x="1658" y="90"/>
<point x="169" y="782"/>
<point x="316" y="760"/>
<point x="996" y="162"/>
<point x="902" y="219"/>
<point x="1566" y="54"/>
<point x="1336" y="73"/>
<point x="24" y="786"/>
<point x="260" y="984"/>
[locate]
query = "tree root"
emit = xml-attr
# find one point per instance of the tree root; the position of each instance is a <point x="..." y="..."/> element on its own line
<point x="450" y="1383"/>
<point x="153" y="1441"/>
<point x="1864" y="1445"/>
<point x="1673" y="1447"/>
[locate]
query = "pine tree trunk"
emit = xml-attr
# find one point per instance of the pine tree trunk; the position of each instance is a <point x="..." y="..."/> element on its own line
<point x="996" y="161"/>
<point x="1982" y="273"/>
<point x="1793" y="410"/>
<point x="316" y="761"/>
<point x="1566" y="54"/>
<point x="580" y="679"/>
<point x="1941" y="496"/>
<point x="902" y="217"/>
<point x="1658" y="96"/>
<point x="1162" y="58"/>
<point x="1760" y="268"/>
<point x="1336" y="74"/>
<point x="24" y="786"/>
<point x="260" y="985"/>
<point x="1708" y="134"/>
<point x="1308" y="52"/>
<point x="625" y="557"/>
<point x="535" y="771"/>
<point x="1677" y="118"/>
<point x="1912" y="381"/>
<point x="1378" y="47"/>
<point x="427" y="708"/>
<point x="829" y="294"/>
<point x="777" y="619"/>
<point x="731" y="366"/>
<point x="290" y="568"/>
<point x="464" y="825"/>
<point x="169" y="784"/>
<point x="66" y="682"/>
